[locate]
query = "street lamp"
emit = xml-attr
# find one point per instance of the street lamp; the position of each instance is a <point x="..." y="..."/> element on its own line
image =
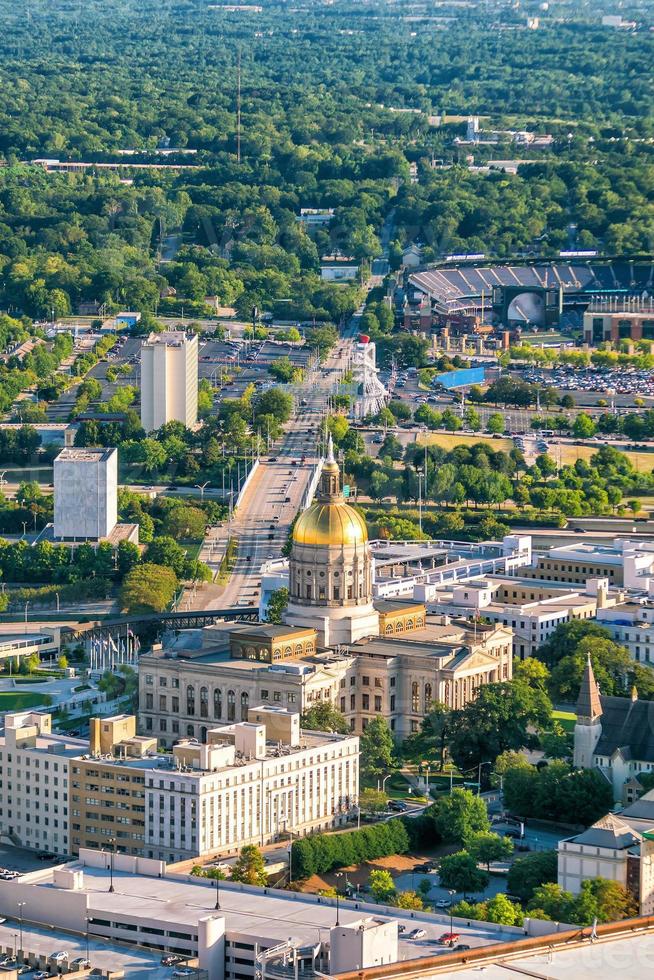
<point x="202" y="487"/>
<point x="339" y="874"/>
<point x="88" y="919"/>
<point x="479" y="775"/>
<point x="420" y="475"/>
<point x="451" y="892"/>
<point x="112" y="843"/>
<point x="21" y="906"/>
<point x="217" y="905"/>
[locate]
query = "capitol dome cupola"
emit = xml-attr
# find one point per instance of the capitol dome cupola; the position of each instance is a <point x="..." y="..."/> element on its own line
<point x="330" y="566"/>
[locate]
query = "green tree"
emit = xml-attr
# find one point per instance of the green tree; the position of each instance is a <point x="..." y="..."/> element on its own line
<point x="527" y="873"/>
<point x="459" y="872"/>
<point x="148" y="588"/>
<point x="606" y="900"/>
<point x="382" y="886"/>
<point x="495" y="423"/>
<point x="372" y="801"/>
<point x="486" y="847"/>
<point x="501" y="717"/>
<point x="277" y="604"/>
<point x="377" y="750"/>
<point x="62" y="662"/>
<point x="430" y="742"/>
<point x="30" y="665"/>
<point x="502" y="910"/>
<point x="408" y="900"/>
<point x="459" y="816"/>
<point x="184" y="523"/>
<point x="583" y="426"/>
<point x="472" y="419"/>
<point x="167" y="552"/>
<point x="249" y="867"/>
<point x="323" y="716"/>
<point x="553" y="901"/>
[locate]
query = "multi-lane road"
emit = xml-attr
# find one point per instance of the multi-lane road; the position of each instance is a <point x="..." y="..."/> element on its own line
<point x="277" y="489"/>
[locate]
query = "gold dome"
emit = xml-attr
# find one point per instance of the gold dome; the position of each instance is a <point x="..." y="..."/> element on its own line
<point x="334" y="523"/>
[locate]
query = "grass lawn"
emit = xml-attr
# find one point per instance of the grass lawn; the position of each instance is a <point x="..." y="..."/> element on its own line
<point x="193" y="549"/>
<point x="448" y="440"/>
<point x="569" y="454"/>
<point x="19" y="700"/>
<point x="397" y="788"/>
<point x="566" y="719"/>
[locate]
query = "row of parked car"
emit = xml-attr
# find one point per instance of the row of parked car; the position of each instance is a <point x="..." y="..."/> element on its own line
<point x="58" y="959"/>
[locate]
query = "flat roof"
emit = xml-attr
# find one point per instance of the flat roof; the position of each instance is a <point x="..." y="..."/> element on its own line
<point x="169" y="338"/>
<point x="585" y="552"/>
<point x="270" y="915"/>
<point x="103" y="954"/>
<point x="272" y="632"/>
<point x="397" y="605"/>
<point x="73" y="455"/>
<point x="53" y="746"/>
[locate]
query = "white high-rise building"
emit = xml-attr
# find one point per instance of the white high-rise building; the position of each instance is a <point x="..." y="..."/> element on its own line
<point x="169" y="379"/>
<point x="85" y="494"/>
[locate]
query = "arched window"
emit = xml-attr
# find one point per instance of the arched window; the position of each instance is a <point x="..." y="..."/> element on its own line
<point x="415" y="697"/>
<point x="203" y="733"/>
<point x="190" y="700"/>
<point x="190" y="731"/>
<point x="231" y="706"/>
<point x="428" y="696"/>
<point x="217" y="703"/>
<point x="204" y="702"/>
<point x="245" y="701"/>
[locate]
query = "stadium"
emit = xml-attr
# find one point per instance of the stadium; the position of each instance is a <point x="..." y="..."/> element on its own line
<point x="544" y="295"/>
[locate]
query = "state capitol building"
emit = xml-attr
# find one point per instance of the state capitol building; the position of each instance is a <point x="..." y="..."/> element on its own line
<point x="337" y="643"/>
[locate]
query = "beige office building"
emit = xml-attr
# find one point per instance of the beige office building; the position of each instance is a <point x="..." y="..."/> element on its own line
<point x="247" y="783"/>
<point x="34" y="773"/>
<point x="169" y="379"/>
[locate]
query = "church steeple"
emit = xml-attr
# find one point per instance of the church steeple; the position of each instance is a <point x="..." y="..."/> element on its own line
<point x="589" y="705"/>
<point x="588" y="727"/>
<point x="330" y="482"/>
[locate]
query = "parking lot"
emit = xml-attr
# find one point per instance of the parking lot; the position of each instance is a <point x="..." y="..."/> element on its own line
<point x="624" y="381"/>
<point x="23" y="860"/>
<point x="43" y="942"/>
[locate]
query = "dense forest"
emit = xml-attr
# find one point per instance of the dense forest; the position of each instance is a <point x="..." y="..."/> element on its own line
<point x="337" y="100"/>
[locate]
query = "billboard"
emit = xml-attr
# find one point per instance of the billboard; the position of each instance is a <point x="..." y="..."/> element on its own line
<point x="462" y="378"/>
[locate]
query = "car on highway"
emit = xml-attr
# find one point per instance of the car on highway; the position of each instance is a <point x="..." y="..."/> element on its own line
<point x="40" y="975"/>
<point x="80" y="963"/>
<point x="444" y="903"/>
<point x="448" y="938"/>
<point x="61" y="956"/>
<point x="171" y="959"/>
<point x="461" y="948"/>
<point x="416" y="934"/>
<point x="184" y="971"/>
